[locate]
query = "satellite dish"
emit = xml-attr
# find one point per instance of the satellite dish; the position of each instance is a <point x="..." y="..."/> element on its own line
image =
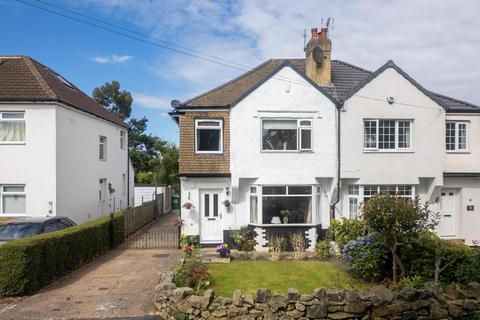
<point x="175" y="104"/>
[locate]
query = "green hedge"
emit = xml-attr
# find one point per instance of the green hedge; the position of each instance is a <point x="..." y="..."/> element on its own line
<point x="26" y="265"/>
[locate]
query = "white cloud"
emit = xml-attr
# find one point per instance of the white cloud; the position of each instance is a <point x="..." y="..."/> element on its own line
<point x="112" y="59"/>
<point x="434" y="41"/>
<point x="151" y="102"/>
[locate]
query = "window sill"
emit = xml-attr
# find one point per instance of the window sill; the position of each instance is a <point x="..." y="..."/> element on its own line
<point x="12" y="143"/>
<point x="458" y="152"/>
<point x="284" y="225"/>
<point x="387" y="151"/>
<point x="286" y="151"/>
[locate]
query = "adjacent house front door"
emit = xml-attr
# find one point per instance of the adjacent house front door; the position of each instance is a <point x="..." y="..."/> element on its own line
<point x="448" y="213"/>
<point x="211" y="216"/>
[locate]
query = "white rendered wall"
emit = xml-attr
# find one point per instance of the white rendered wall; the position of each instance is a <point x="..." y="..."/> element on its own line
<point x="79" y="168"/>
<point x="190" y="192"/>
<point x="32" y="163"/>
<point x="466" y="161"/>
<point x="249" y="165"/>
<point x="425" y="159"/>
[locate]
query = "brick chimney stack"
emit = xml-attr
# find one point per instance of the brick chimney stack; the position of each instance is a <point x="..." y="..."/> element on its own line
<point x="318" y="57"/>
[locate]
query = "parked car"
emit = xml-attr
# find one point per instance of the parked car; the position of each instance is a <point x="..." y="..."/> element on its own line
<point x="24" y="228"/>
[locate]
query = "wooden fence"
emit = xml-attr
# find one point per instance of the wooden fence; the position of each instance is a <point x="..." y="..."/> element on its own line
<point x="137" y="217"/>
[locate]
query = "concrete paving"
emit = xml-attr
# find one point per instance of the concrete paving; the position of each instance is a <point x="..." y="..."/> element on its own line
<point x="117" y="286"/>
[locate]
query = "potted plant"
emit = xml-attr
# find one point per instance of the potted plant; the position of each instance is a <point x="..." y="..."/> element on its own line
<point x="223" y="250"/>
<point x="285" y="213"/>
<point x="227" y="204"/>
<point x="188" y="205"/>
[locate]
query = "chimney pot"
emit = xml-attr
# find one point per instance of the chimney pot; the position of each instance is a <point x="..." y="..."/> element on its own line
<point x="314" y="33"/>
<point x="323" y="33"/>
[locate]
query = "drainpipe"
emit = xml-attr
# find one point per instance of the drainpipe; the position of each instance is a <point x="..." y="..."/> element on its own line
<point x="337" y="200"/>
<point x="128" y="166"/>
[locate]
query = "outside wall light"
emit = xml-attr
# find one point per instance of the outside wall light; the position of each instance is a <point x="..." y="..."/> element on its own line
<point x="227" y="191"/>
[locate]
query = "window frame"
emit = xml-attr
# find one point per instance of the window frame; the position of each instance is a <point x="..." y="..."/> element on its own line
<point x="15" y="193"/>
<point x="456" y="137"/>
<point x="22" y="119"/>
<point x="123" y="139"/>
<point x="220" y="128"/>
<point x="300" y="127"/>
<point x="104" y="144"/>
<point x="396" y="135"/>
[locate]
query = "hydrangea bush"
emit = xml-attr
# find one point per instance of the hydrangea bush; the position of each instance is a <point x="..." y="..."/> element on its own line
<point x="366" y="256"/>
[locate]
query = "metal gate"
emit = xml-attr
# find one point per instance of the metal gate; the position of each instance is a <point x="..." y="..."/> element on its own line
<point x="153" y="239"/>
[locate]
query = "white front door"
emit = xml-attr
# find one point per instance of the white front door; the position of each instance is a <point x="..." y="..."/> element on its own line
<point x="211" y="216"/>
<point x="102" y="197"/>
<point x="448" y="213"/>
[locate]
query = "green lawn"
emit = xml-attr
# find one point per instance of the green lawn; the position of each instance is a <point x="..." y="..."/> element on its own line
<point x="279" y="276"/>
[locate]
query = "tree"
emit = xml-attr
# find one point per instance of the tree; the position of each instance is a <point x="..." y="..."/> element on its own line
<point x="398" y="221"/>
<point x="110" y="96"/>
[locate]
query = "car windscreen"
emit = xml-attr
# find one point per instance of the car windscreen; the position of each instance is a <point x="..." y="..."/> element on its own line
<point x="19" y="230"/>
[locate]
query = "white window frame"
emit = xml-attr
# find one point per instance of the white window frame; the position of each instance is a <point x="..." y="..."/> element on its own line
<point x="253" y="193"/>
<point x="354" y="195"/>
<point x="261" y="195"/>
<point x="457" y="124"/>
<point x="377" y="144"/>
<point x="20" y="119"/>
<point x="300" y="128"/>
<point x="360" y="196"/>
<point x="19" y="193"/>
<point x="220" y="127"/>
<point x="104" y="144"/>
<point x="123" y="136"/>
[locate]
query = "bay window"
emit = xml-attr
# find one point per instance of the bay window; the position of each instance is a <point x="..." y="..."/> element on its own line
<point x="456" y="136"/>
<point x="12" y="199"/>
<point x="386" y="134"/>
<point x="208" y="136"/>
<point x="362" y="193"/>
<point x="286" y="135"/>
<point x="12" y="127"/>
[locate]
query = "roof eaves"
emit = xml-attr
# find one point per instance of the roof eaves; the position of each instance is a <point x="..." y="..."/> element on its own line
<point x="391" y="64"/>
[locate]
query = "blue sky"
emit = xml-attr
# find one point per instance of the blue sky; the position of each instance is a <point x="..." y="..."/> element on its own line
<point x="436" y="42"/>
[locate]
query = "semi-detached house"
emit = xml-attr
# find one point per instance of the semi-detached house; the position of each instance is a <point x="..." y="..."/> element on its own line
<point x="61" y="153"/>
<point x="293" y="143"/>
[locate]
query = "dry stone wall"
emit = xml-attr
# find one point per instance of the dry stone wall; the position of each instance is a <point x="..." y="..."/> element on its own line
<point x="431" y="302"/>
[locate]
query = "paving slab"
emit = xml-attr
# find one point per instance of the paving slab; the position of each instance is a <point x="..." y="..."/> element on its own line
<point x="117" y="286"/>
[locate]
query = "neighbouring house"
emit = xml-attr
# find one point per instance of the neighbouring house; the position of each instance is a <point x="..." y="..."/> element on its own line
<point x="293" y="143"/>
<point x="145" y="192"/>
<point x="61" y="153"/>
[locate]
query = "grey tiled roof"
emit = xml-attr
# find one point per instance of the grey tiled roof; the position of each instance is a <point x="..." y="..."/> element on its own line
<point x="345" y="78"/>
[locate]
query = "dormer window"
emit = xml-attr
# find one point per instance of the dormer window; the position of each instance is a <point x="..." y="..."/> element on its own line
<point x="208" y="136"/>
<point x="286" y="135"/>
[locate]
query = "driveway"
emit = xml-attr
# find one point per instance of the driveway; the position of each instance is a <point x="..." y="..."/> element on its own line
<point x="118" y="286"/>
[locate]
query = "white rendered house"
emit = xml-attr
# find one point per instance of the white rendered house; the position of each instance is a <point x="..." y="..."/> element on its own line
<point x="60" y="152"/>
<point x="317" y="137"/>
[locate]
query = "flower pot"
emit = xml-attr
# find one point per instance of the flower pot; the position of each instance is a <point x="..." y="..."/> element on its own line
<point x="285" y="220"/>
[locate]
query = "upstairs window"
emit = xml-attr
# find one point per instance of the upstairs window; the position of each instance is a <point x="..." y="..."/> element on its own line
<point x="286" y="135"/>
<point x="102" y="155"/>
<point x="123" y="140"/>
<point x="385" y="134"/>
<point x="456" y="136"/>
<point x="12" y="127"/>
<point x="208" y="136"/>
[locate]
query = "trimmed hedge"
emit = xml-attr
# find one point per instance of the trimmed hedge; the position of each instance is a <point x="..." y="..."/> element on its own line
<point x="26" y="265"/>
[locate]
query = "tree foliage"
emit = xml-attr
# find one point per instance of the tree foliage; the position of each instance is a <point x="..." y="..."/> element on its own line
<point x="398" y="222"/>
<point x="110" y="96"/>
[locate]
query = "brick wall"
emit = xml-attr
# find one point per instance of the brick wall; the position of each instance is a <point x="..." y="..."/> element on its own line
<point x="191" y="163"/>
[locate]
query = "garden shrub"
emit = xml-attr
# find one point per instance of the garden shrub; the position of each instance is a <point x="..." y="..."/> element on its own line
<point x="469" y="270"/>
<point x="276" y="246"/>
<point x="28" y="264"/>
<point x="192" y="273"/>
<point x="367" y="257"/>
<point x="346" y="230"/>
<point x="298" y="244"/>
<point x="414" y="282"/>
<point x="243" y="239"/>
<point x="322" y="248"/>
